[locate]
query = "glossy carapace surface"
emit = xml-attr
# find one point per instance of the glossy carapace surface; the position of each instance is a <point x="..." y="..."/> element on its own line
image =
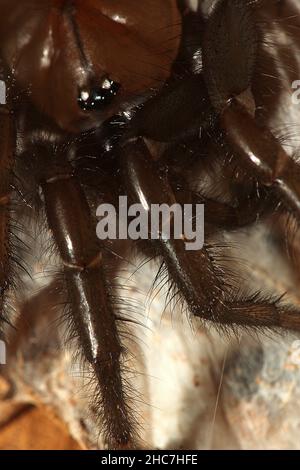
<point x="61" y="48"/>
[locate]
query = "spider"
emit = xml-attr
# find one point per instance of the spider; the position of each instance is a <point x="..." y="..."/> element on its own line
<point x="127" y="97"/>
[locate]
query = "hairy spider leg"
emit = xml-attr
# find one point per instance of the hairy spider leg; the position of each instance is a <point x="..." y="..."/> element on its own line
<point x="230" y="49"/>
<point x="91" y="306"/>
<point x="7" y="140"/>
<point x="205" y="286"/>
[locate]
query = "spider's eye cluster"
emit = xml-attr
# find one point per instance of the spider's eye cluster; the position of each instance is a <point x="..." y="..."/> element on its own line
<point x="97" y="98"/>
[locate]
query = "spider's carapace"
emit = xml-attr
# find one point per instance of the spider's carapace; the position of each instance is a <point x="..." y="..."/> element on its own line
<point x="76" y="55"/>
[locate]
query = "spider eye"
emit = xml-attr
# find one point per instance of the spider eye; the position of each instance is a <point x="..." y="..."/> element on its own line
<point x="97" y="98"/>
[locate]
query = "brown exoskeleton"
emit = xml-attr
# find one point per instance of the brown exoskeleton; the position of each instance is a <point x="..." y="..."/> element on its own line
<point x="126" y="75"/>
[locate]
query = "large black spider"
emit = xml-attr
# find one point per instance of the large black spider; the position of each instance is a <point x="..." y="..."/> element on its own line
<point x="109" y="98"/>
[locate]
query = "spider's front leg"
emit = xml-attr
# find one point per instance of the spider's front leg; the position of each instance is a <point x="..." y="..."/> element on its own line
<point x="231" y="45"/>
<point x="262" y="154"/>
<point x="6" y="162"/>
<point x="91" y="305"/>
<point x="216" y="100"/>
<point x="206" y="287"/>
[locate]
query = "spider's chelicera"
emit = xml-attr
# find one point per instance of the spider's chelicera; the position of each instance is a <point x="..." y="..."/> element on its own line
<point x="172" y="108"/>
